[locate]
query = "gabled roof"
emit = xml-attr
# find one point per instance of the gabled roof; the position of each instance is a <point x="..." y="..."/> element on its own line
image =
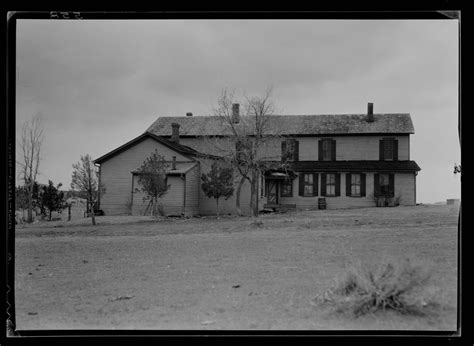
<point x="356" y="166"/>
<point x="306" y="125"/>
<point x="182" y="149"/>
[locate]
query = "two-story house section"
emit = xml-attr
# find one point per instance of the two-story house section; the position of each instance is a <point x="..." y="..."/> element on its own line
<point x="351" y="160"/>
<point x="335" y="160"/>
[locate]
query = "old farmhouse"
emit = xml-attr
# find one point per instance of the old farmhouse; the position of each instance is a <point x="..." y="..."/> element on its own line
<point x="335" y="161"/>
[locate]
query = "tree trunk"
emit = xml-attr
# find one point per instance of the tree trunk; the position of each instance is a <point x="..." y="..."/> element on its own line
<point x="30" y="206"/>
<point x="217" y="207"/>
<point x="237" y="196"/>
<point x="253" y="195"/>
<point x="50" y="212"/>
<point x="92" y="212"/>
<point x="69" y="212"/>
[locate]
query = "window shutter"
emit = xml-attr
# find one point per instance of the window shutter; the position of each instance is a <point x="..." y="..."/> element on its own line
<point x="362" y="185"/>
<point x="376" y="185"/>
<point x="395" y="150"/>
<point x="283" y="151"/>
<point x="391" y="181"/>
<point x="333" y="150"/>
<point x="301" y="184"/>
<point x="297" y="151"/>
<point x="320" y="150"/>
<point x="381" y="150"/>
<point x="315" y="184"/>
<point x="323" y="184"/>
<point x="348" y="184"/>
<point x="338" y="184"/>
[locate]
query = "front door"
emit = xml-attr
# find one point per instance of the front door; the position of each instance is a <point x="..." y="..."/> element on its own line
<point x="272" y="191"/>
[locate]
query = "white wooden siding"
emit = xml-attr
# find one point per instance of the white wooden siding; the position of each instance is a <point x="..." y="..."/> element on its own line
<point x="404" y="189"/>
<point x="117" y="178"/>
<point x="193" y="178"/>
<point x="207" y="206"/>
<point x="173" y="201"/>
<point x="347" y="147"/>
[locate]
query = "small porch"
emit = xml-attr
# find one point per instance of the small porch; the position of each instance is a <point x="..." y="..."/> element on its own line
<point x="278" y="184"/>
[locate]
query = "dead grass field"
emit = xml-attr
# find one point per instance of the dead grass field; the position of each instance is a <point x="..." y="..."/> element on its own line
<point x="231" y="273"/>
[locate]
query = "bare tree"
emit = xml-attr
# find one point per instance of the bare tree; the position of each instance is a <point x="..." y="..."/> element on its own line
<point x="246" y="141"/>
<point x="30" y="148"/>
<point x="153" y="181"/>
<point x="85" y="178"/>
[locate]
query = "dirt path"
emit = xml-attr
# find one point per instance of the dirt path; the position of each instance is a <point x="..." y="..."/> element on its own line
<point x="230" y="274"/>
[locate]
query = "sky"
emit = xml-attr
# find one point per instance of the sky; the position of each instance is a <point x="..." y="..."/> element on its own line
<point x="97" y="84"/>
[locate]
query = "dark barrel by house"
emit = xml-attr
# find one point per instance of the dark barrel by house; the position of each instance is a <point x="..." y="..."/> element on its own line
<point x="321" y="203"/>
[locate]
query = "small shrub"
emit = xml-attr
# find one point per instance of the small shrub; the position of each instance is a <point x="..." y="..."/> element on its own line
<point x="257" y="223"/>
<point x="402" y="287"/>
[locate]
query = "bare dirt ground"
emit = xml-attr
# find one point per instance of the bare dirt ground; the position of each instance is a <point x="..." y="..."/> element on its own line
<point x="232" y="273"/>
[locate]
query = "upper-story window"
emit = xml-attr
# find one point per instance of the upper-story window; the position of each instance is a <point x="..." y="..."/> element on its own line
<point x="243" y="148"/>
<point x="289" y="150"/>
<point x="389" y="149"/>
<point x="327" y="150"/>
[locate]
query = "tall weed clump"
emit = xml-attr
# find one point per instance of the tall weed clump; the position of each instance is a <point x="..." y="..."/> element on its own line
<point x="401" y="286"/>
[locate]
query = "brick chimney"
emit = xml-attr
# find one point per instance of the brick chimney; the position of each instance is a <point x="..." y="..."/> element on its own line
<point x="235" y="113"/>
<point x="189" y="114"/>
<point x="370" y="113"/>
<point x="175" y="132"/>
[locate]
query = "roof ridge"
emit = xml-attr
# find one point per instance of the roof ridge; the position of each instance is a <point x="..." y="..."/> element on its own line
<point x="281" y="115"/>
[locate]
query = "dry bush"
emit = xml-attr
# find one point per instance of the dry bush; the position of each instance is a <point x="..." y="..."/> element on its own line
<point x="401" y="286"/>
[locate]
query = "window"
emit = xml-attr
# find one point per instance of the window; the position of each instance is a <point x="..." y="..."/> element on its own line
<point x="287" y="188"/>
<point x="330" y="185"/>
<point x="308" y="185"/>
<point x="289" y="150"/>
<point x="389" y="149"/>
<point x="240" y="152"/>
<point x="355" y="184"/>
<point x="327" y="150"/>
<point x="384" y="184"/>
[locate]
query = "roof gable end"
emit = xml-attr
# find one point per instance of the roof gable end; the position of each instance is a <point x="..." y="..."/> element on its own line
<point x="183" y="150"/>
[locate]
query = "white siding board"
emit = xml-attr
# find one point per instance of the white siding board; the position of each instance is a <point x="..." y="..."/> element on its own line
<point x="192" y="191"/>
<point x="117" y="178"/>
<point x="172" y="201"/>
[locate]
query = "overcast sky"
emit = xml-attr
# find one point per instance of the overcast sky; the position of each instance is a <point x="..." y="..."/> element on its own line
<point x="98" y="84"/>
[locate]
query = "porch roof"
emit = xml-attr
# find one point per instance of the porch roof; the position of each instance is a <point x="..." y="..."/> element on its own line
<point x="356" y="166"/>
